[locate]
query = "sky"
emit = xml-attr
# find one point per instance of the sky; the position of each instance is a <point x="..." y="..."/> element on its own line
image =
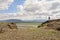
<point x="13" y="6"/>
<point x="29" y="9"/>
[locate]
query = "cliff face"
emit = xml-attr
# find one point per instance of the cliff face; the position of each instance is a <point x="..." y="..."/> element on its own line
<point x="52" y="24"/>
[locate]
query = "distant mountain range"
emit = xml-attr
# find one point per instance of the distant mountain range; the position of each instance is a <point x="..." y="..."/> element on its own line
<point x="17" y="20"/>
<point x="11" y="20"/>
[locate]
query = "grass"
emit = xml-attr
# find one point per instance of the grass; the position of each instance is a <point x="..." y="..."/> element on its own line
<point x="30" y="34"/>
<point x="31" y="23"/>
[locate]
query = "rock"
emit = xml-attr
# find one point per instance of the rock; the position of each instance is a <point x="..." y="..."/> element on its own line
<point x="52" y="24"/>
<point x="12" y="25"/>
<point x="58" y="28"/>
<point x="5" y="26"/>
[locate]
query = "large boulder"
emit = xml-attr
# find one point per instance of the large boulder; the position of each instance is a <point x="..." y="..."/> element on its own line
<point x="12" y="25"/>
<point x="4" y="26"/>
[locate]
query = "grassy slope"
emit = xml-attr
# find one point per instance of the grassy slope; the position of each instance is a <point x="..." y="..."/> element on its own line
<point x="30" y="34"/>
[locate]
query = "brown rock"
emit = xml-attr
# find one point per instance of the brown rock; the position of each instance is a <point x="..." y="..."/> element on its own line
<point x="52" y="24"/>
<point x="12" y="25"/>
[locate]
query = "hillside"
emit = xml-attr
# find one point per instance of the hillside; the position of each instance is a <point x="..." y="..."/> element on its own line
<point x="51" y="24"/>
<point x="31" y="33"/>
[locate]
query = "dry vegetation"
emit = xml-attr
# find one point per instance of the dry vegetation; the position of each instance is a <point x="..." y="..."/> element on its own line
<point x="30" y="33"/>
<point x="51" y="24"/>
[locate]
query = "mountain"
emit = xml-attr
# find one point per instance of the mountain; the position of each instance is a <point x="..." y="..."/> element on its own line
<point x="17" y="20"/>
<point x="11" y="20"/>
<point x="41" y="20"/>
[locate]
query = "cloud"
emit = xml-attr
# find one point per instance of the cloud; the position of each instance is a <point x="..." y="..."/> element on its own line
<point x="4" y="4"/>
<point x="39" y="9"/>
<point x="35" y="10"/>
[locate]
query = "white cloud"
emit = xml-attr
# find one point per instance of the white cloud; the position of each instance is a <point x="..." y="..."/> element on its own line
<point x="40" y="8"/>
<point x="35" y="9"/>
<point x="4" y="4"/>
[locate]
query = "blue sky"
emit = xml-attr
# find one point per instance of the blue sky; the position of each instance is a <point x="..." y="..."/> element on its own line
<point x="29" y="9"/>
<point x="13" y="7"/>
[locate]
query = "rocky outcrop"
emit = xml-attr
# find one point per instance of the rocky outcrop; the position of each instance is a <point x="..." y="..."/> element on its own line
<point x="4" y="26"/>
<point x="12" y="25"/>
<point x="51" y="24"/>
